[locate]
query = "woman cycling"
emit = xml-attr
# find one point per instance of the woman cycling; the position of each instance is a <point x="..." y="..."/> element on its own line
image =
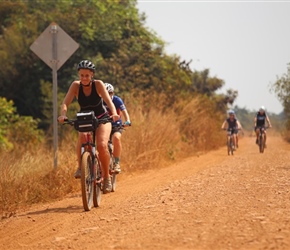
<point x="232" y="124"/>
<point x="260" y="121"/>
<point x="90" y="94"/>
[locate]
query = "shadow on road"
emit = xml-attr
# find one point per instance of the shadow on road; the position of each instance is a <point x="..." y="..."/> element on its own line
<point x="67" y="210"/>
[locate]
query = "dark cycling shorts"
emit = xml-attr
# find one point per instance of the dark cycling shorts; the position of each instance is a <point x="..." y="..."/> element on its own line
<point x="117" y="129"/>
<point x="258" y="127"/>
<point x="105" y="118"/>
<point x="234" y="131"/>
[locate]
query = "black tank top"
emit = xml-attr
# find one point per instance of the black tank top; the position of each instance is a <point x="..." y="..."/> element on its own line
<point x="232" y="123"/>
<point x="92" y="102"/>
<point x="261" y="119"/>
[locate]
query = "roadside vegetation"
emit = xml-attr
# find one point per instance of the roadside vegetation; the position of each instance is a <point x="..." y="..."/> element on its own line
<point x="282" y="90"/>
<point x="157" y="137"/>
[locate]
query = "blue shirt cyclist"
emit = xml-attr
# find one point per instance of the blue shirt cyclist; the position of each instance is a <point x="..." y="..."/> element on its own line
<point x="117" y="128"/>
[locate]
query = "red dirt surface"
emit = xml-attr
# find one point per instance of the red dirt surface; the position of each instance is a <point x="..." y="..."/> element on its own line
<point x="213" y="201"/>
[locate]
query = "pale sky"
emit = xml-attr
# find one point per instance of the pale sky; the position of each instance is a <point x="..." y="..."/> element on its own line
<point x="245" y="43"/>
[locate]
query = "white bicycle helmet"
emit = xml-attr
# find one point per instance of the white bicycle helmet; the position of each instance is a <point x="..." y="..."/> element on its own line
<point x="86" y="64"/>
<point x="231" y="112"/>
<point x="262" y="108"/>
<point x="109" y="87"/>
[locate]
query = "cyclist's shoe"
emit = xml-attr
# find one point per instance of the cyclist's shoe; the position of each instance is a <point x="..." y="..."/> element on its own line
<point x="117" y="168"/>
<point x="78" y="173"/>
<point x="257" y="141"/>
<point x="107" y="185"/>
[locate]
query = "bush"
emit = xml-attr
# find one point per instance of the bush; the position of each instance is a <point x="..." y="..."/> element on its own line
<point x="17" y="130"/>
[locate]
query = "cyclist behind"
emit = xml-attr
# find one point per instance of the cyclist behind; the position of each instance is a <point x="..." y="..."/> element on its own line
<point x="259" y="122"/>
<point x="90" y="94"/>
<point x="233" y="125"/>
<point x="116" y="129"/>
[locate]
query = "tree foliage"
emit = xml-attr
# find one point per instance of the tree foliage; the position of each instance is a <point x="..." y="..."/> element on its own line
<point x="112" y="34"/>
<point x="15" y="129"/>
<point x="282" y="90"/>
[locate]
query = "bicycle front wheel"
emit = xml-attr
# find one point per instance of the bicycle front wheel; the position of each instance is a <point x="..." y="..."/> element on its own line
<point x="230" y="146"/>
<point x="114" y="182"/>
<point x="98" y="183"/>
<point x="87" y="180"/>
<point x="262" y="144"/>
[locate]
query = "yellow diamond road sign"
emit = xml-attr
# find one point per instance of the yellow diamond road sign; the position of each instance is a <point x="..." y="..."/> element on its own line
<point x="43" y="46"/>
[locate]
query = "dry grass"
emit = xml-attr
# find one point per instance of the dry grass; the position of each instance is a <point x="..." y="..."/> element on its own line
<point x="30" y="179"/>
<point x="158" y="137"/>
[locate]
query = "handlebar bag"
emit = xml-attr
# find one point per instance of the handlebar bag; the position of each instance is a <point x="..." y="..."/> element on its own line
<point x="86" y="121"/>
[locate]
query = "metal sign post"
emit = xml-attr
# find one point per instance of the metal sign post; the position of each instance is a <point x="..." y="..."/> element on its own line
<point x="54" y="47"/>
<point x="54" y="91"/>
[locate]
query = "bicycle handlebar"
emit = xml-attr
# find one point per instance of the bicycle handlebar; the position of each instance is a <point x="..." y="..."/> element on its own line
<point x="260" y="127"/>
<point x="231" y="129"/>
<point x="119" y="125"/>
<point x="99" y="121"/>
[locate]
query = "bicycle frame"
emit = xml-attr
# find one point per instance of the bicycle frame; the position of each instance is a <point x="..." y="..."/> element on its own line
<point x="230" y="142"/>
<point x="90" y="146"/>
<point x="91" y="177"/>
<point x="261" y="137"/>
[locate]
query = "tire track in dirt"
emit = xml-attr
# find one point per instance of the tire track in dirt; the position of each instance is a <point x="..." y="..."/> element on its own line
<point x="213" y="201"/>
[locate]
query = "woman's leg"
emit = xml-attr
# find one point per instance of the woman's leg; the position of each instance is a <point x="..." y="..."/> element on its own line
<point x="234" y="140"/>
<point x="102" y="139"/>
<point x="81" y="139"/>
<point x="116" y="140"/>
<point x="257" y="134"/>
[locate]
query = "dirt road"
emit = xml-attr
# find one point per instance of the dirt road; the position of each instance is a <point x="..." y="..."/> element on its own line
<point x="213" y="201"/>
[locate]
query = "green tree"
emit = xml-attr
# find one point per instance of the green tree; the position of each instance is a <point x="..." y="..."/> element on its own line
<point x="15" y="129"/>
<point x="6" y="113"/>
<point x="204" y="84"/>
<point x="282" y="90"/>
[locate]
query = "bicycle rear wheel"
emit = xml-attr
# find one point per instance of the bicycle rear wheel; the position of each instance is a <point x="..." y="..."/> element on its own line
<point x="97" y="188"/>
<point x="87" y="180"/>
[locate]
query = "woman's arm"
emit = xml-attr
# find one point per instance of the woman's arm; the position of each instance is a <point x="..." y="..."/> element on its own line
<point x="255" y="122"/>
<point x="268" y="121"/>
<point x="71" y="93"/>
<point x="126" y="115"/>
<point x="239" y="125"/>
<point x="224" y="124"/>
<point x="102" y="92"/>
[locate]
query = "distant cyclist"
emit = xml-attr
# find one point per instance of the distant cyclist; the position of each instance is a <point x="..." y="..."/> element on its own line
<point x="117" y="130"/>
<point x="232" y="124"/>
<point x="260" y="121"/>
